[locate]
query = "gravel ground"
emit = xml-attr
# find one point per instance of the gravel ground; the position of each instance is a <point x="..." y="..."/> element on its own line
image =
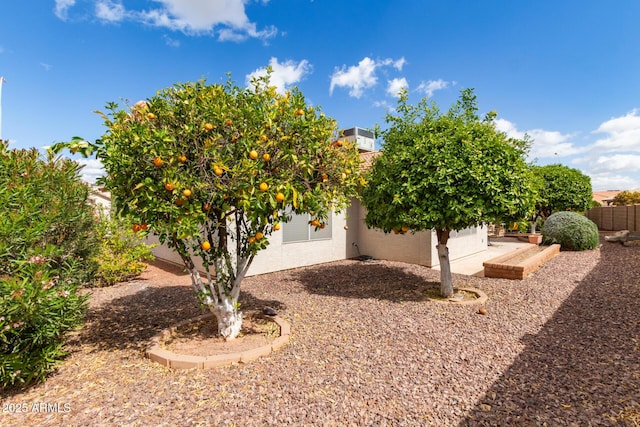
<point x="560" y="348"/>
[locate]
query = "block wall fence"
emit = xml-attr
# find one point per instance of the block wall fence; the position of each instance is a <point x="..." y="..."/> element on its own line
<point x="615" y="218"/>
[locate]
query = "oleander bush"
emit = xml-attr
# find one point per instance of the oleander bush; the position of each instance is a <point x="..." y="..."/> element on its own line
<point x="47" y="242"/>
<point x="122" y="254"/>
<point x="573" y="231"/>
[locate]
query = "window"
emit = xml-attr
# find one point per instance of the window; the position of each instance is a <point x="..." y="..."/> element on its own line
<point x="299" y="230"/>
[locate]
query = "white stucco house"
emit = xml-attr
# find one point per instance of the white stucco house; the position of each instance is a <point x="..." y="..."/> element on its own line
<point x="346" y="236"/>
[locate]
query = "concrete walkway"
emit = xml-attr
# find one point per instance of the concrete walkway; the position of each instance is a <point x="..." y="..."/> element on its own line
<point x="472" y="265"/>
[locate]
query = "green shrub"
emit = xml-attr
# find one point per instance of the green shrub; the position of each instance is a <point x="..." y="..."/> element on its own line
<point x="573" y="231"/>
<point x="43" y="203"/>
<point x="47" y="241"/>
<point x="39" y="304"/>
<point x="122" y="253"/>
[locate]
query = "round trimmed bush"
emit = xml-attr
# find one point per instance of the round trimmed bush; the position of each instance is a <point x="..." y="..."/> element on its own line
<point x="574" y="232"/>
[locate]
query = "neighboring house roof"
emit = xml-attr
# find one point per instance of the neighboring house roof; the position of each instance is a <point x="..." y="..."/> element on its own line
<point x="367" y="159"/>
<point x="605" y="197"/>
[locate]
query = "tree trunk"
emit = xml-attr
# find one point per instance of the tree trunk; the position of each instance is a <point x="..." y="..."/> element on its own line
<point x="228" y="316"/>
<point x="224" y="306"/>
<point x="446" y="282"/>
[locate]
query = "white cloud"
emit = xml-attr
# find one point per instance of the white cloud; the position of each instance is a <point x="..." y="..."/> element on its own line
<point x="395" y="85"/>
<point x="356" y="77"/>
<point x="202" y="16"/>
<point x="362" y="76"/>
<point x="283" y="74"/>
<point x="91" y="170"/>
<point x="61" y="8"/>
<point x="622" y="133"/>
<point x="612" y="181"/>
<point x="226" y="18"/>
<point x="108" y="10"/>
<point x="546" y="144"/>
<point x="398" y="64"/>
<point x="384" y="104"/>
<point x="170" y="41"/>
<point x="612" y="162"/>
<point x="616" y="162"/>
<point x="46" y="66"/>
<point x="429" y="87"/>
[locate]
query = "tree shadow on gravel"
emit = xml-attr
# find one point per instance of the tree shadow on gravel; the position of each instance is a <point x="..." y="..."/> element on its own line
<point x="583" y="367"/>
<point x="129" y="322"/>
<point x="364" y="280"/>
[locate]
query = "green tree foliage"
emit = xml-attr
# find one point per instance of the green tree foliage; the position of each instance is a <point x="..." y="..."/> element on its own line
<point x="46" y="242"/>
<point x="214" y="170"/>
<point x="626" y="198"/>
<point x="573" y="231"/>
<point x="122" y="254"/>
<point x="446" y="172"/>
<point x="561" y="188"/>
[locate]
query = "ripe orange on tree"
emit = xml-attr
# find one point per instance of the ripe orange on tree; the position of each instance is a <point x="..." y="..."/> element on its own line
<point x="280" y="197"/>
<point x="266" y="157"/>
<point x="144" y="226"/>
<point x="206" y="206"/>
<point x="182" y="158"/>
<point x="158" y="162"/>
<point x="136" y="228"/>
<point x="263" y="138"/>
<point x="252" y="240"/>
<point x="151" y="116"/>
<point x="259" y="236"/>
<point x="405" y="228"/>
<point x="264" y="186"/>
<point x="169" y="186"/>
<point x="205" y="246"/>
<point x="228" y="122"/>
<point x="314" y="222"/>
<point x="180" y="202"/>
<point x="186" y="192"/>
<point x="218" y="171"/>
<point x="276" y="226"/>
<point x="253" y="154"/>
<point x="299" y="112"/>
<point x="208" y="126"/>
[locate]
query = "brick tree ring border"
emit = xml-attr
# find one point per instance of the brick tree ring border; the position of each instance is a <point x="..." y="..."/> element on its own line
<point x="183" y="361"/>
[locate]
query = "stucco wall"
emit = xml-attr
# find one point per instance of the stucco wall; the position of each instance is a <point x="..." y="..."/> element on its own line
<point x="418" y="248"/>
<point x="356" y="239"/>
<point x="281" y="256"/>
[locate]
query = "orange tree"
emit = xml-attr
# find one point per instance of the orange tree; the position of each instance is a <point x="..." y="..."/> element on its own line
<point x="446" y="172"/>
<point x="214" y="169"/>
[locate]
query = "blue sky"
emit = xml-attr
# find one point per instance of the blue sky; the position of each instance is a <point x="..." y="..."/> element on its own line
<point x="565" y="72"/>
